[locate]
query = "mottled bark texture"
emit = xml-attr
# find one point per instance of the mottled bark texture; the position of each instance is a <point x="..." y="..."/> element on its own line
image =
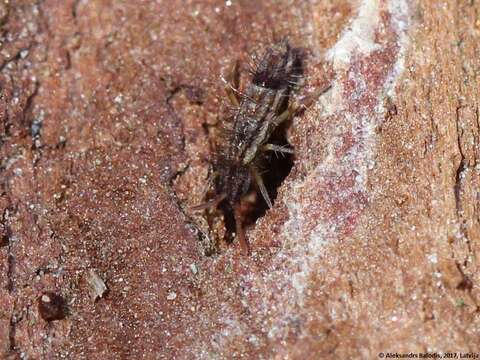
<point x="108" y="111"/>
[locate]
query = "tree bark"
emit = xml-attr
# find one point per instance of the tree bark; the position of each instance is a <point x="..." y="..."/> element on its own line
<point x="108" y="115"/>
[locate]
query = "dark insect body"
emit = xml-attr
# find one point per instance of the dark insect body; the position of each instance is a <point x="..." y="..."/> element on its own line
<point x="263" y="105"/>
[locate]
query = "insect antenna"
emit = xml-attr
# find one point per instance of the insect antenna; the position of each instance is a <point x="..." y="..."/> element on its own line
<point x="261" y="187"/>
<point x="238" y="92"/>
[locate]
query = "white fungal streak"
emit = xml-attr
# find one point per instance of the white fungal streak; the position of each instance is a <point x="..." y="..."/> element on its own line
<point x="359" y="37"/>
<point x="302" y="251"/>
<point x="400" y="24"/>
<point x="358" y="40"/>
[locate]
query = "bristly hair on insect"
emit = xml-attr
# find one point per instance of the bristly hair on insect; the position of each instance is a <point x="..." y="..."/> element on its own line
<point x="258" y="110"/>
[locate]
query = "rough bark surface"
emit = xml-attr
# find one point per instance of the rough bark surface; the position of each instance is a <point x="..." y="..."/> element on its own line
<point x="107" y="110"/>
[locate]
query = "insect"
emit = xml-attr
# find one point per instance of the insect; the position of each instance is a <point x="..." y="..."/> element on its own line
<point x="265" y="103"/>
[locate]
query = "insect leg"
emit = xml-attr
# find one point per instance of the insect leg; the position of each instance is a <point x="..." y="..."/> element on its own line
<point x="232" y="84"/>
<point x="308" y="100"/>
<point x="261" y="186"/>
<point x="211" y="203"/>
<point x="211" y="177"/>
<point x="295" y="106"/>
<point x="239" y="230"/>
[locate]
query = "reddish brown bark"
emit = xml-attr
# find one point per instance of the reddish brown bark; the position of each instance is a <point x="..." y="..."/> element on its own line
<point x="107" y="111"/>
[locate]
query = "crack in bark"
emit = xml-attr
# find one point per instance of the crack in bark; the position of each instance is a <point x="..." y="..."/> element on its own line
<point x="461" y="167"/>
<point x="15" y="57"/>
<point x="12" y="332"/>
<point x="75" y="6"/>
<point x="459" y="181"/>
<point x="8" y="240"/>
<point x="10" y="286"/>
<point x="477" y="120"/>
<point x="194" y="97"/>
<point x="205" y="240"/>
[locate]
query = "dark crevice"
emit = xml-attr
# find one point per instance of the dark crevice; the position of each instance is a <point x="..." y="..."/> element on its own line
<point x="75" y="5"/>
<point x="14" y="320"/>
<point x="178" y="174"/>
<point x="33" y="125"/>
<point x="477" y="138"/>
<point x="458" y="185"/>
<point x="194" y="94"/>
<point x="12" y="332"/>
<point x="276" y="167"/>
<point x="10" y="268"/>
<point x="7" y="241"/>
<point x="10" y="262"/>
<point x="14" y="58"/>
<point x="461" y="167"/>
<point x="5" y="231"/>
<point x="204" y="239"/>
<point x="466" y="283"/>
